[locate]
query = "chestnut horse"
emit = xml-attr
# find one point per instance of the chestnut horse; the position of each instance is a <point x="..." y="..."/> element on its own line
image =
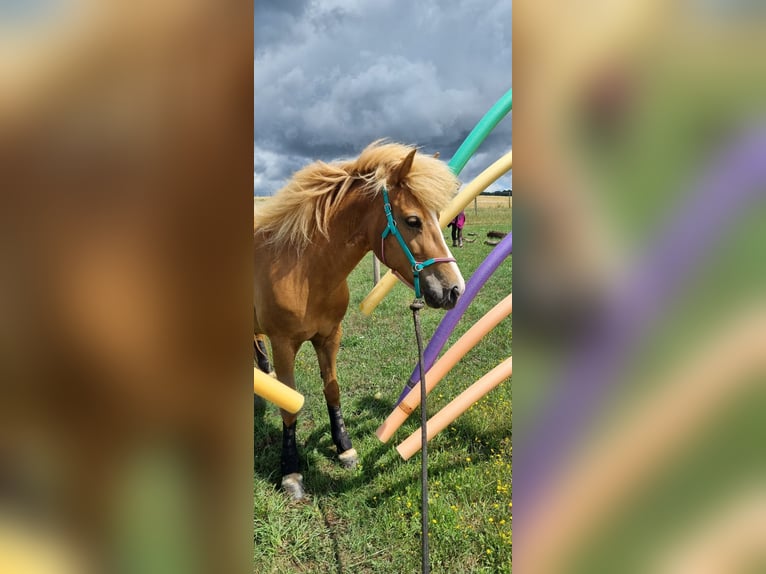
<point x="312" y="234"/>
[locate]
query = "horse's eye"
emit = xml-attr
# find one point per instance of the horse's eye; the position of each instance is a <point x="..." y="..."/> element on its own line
<point x="414" y="222"/>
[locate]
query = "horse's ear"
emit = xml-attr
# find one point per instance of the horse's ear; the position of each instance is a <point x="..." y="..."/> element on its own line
<point x="404" y="168"/>
<point x="436" y="155"/>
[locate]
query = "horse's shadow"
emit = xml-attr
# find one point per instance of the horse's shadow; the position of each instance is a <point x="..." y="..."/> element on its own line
<point x="323" y="480"/>
<point x="267" y="443"/>
<point x="317" y="448"/>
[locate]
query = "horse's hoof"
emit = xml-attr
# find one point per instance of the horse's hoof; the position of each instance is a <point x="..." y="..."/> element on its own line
<point x="292" y="484"/>
<point x="349" y="458"/>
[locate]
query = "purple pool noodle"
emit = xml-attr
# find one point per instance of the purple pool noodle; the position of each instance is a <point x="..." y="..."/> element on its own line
<point x="725" y="192"/>
<point x="500" y="252"/>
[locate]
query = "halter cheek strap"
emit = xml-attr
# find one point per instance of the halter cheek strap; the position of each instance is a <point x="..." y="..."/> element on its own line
<point x="417" y="266"/>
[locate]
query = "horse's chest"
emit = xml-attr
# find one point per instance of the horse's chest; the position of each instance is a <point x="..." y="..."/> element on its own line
<point x="303" y="308"/>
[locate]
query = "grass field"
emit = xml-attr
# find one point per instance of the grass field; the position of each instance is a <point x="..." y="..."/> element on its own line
<point x="367" y="520"/>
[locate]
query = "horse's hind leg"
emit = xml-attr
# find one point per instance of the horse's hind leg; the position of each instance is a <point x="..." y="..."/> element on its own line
<point x="327" y="350"/>
<point x="284" y="362"/>
<point x="261" y="355"/>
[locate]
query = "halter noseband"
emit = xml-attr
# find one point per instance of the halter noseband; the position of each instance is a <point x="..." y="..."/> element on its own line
<point x="417" y="266"/>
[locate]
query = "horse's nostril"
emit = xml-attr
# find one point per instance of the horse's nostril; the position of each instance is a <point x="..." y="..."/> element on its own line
<point x="454" y="294"/>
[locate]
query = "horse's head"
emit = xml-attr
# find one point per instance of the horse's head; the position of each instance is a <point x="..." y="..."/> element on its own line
<point x="408" y="237"/>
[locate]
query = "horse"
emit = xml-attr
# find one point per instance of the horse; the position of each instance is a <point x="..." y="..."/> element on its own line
<point x="309" y="237"/>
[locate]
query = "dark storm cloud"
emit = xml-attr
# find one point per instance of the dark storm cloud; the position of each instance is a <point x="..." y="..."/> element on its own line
<point x="332" y="76"/>
<point x="275" y="20"/>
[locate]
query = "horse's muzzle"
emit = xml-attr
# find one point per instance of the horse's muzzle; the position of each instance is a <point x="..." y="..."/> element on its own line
<point x="443" y="297"/>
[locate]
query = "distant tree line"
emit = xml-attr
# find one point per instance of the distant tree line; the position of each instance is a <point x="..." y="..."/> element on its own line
<point x="499" y="193"/>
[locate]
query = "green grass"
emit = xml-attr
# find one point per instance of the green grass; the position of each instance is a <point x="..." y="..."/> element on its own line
<point x="368" y="520"/>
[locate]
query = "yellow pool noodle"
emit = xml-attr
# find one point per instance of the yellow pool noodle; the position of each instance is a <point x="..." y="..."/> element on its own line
<point x="275" y="392"/>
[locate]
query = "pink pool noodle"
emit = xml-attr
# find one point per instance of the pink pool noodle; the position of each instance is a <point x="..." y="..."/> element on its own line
<point x="501" y="251"/>
<point x="444" y="365"/>
<point x="457" y="407"/>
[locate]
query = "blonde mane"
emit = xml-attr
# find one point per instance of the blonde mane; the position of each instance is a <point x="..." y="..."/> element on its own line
<point x="307" y="204"/>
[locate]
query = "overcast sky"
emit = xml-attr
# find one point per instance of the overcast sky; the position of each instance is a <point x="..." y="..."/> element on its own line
<point x="333" y="75"/>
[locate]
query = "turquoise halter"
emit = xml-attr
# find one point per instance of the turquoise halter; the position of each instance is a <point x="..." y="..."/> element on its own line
<point x="417" y="266"/>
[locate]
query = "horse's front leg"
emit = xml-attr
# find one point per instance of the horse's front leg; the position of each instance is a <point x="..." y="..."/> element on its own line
<point x="327" y="350"/>
<point x="284" y="351"/>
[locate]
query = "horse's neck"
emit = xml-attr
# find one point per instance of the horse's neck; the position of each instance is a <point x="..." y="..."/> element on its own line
<point x="348" y="241"/>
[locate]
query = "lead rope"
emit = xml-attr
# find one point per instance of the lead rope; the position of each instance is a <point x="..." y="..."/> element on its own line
<point x="416" y="306"/>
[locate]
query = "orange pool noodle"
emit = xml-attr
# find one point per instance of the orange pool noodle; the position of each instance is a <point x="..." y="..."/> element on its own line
<point x="457" y="407"/>
<point x="444" y="365"/>
<point x="275" y="392"/>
